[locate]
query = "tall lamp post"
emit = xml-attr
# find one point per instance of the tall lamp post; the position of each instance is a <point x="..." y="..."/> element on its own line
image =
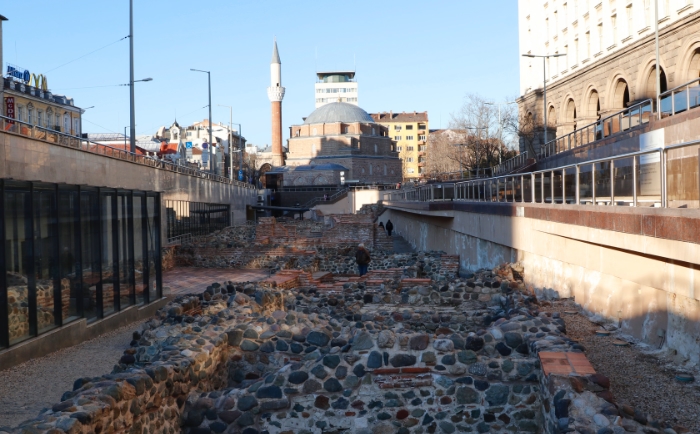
<point x="500" y="125"/>
<point x="211" y="161"/>
<point x="544" y="84"/>
<point x="132" y="122"/>
<point x="240" y="141"/>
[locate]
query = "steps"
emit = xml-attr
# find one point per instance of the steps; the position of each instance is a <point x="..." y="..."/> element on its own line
<point x="401" y="245"/>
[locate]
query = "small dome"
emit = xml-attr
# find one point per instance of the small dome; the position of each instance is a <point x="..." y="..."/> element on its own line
<point x="338" y="112"/>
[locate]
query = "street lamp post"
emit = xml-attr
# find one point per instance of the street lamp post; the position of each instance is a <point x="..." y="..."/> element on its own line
<point x="211" y="161"/>
<point x="500" y="126"/>
<point x="132" y="114"/>
<point x="544" y="84"/>
<point x="132" y="123"/>
<point x="240" y="140"/>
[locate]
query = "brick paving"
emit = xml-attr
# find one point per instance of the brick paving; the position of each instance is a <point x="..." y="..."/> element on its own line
<point x="185" y="280"/>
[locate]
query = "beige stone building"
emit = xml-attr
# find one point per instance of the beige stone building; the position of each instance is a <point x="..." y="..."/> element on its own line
<point x="409" y="131"/>
<point x="342" y="138"/>
<point x="609" y="61"/>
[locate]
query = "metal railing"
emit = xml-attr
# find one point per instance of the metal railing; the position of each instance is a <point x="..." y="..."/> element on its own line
<point x="330" y="199"/>
<point x="48" y="135"/>
<point x="680" y="98"/>
<point x="624" y="120"/>
<point x="511" y="164"/>
<point x="628" y="180"/>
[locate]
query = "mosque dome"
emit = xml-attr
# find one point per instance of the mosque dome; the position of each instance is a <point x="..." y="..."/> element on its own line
<point x="338" y="112"/>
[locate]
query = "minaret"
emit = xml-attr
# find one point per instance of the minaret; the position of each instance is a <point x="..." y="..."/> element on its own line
<point x="276" y="93"/>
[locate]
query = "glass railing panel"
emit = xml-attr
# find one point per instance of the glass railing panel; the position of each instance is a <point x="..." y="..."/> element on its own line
<point x="547" y="187"/>
<point x="680" y="103"/>
<point x="538" y="188"/>
<point x="557" y="180"/>
<point x="602" y="183"/>
<point x="585" y="184"/>
<point x="527" y="188"/>
<point x="682" y="177"/>
<point x="623" y="182"/>
<point x="518" y="188"/>
<point x="502" y="186"/>
<point x="569" y="175"/>
<point x="666" y="105"/>
<point x="694" y="96"/>
<point x="649" y="180"/>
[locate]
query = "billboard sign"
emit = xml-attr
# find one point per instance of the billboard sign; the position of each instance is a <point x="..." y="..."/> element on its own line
<point x="10" y="108"/>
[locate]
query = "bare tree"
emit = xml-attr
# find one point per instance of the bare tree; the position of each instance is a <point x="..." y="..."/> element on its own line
<point x="525" y="129"/>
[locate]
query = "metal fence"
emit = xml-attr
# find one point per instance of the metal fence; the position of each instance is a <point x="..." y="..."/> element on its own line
<point x="511" y="164"/>
<point x="680" y="98"/>
<point x="634" y="179"/>
<point x="55" y="137"/>
<point x="625" y="120"/>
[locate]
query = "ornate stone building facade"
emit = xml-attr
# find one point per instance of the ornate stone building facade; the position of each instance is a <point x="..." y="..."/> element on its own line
<point x="609" y="61"/>
<point x="341" y="137"/>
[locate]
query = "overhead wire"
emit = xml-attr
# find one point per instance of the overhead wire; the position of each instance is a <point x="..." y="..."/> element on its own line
<point x="85" y="55"/>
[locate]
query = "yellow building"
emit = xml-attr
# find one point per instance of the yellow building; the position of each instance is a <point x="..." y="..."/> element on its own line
<point x="409" y="132"/>
<point x="26" y="97"/>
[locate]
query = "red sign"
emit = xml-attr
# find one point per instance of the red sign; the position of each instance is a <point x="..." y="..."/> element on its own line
<point x="10" y="108"/>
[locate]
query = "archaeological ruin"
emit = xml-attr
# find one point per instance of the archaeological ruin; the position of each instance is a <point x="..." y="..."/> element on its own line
<point x="414" y="346"/>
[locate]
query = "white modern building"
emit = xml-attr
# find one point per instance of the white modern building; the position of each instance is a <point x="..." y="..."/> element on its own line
<point x="335" y="86"/>
<point x="586" y="31"/>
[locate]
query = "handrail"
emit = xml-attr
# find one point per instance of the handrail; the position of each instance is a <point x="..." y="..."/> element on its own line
<point x="679" y="98"/>
<point x="319" y="199"/>
<point x="629" y="118"/>
<point x="591" y="184"/>
<point x="511" y="164"/>
<point x="14" y="126"/>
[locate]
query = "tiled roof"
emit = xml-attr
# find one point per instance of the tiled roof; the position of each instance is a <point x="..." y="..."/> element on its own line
<point x="400" y="117"/>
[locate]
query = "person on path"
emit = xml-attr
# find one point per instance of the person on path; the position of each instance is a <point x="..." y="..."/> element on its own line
<point x="381" y="225"/>
<point x="389" y="227"/>
<point x="363" y="259"/>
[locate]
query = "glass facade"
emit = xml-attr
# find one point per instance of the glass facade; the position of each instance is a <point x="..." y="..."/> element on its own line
<point x="74" y="252"/>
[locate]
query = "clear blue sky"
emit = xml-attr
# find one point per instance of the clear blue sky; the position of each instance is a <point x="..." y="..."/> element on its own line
<point x="410" y="55"/>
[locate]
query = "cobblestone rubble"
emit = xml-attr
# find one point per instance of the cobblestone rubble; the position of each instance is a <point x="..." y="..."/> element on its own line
<point x="239" y="358"/>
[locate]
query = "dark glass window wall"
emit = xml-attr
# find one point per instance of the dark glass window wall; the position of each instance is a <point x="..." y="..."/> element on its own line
<point x="74" y="252"/>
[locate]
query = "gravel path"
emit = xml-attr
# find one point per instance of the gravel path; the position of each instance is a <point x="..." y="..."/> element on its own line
<point x="637" y="378"/>
<point x="39" y="383"/>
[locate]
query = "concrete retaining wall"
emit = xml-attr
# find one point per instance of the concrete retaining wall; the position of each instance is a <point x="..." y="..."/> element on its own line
<point x="645" y="281"/>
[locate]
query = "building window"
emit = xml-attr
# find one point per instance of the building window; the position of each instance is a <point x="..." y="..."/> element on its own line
<point x="410" y="148"/>
<point x="397" y="127"/>
<point x="375" y="148"/>
<point x="421" y="137"/>
<point x="588" y="45"/>
<point x="409" y="127"/>
<point x="76" y="127"/>
<point x="374" y="133"/>
<point x="613" y="23"/>
<point x="409" y="159"/>
<point x="421" y="126"/>
<point x="57" y="125"/>
<point x="422" y="148"/>
<point x="66" y="124"/>
<point x="370" y="169"/>
<point x="630" y="20"/>
<point x="647" y="13"/>
<point x="347" y="130"/>
<point x="410" y="170"/>
<point x="314" y="131"/>
<point x="397" y="138"/>
<point x="30" y="115"/>
<point x="40" y="118"/>
<point x="600" y="37"/>
<point x="410" y="137"/>
<point x="20" y="113"/>
<point x="399" y="148"/>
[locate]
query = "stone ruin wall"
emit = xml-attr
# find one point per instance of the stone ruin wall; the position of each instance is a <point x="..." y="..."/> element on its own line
<point x="241" y="359"/>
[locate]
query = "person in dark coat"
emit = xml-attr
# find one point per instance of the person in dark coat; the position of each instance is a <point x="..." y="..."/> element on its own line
<point x="389" y="227"/>
<point x="381" y="225"/>
<point x="363" y="259"/>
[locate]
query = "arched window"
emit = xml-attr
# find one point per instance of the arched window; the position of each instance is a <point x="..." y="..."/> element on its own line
<point x="375" y="148"/>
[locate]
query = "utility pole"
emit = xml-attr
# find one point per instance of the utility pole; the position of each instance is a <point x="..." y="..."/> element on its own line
<point x="132" y="114"/>
<point x="212" y="166"/>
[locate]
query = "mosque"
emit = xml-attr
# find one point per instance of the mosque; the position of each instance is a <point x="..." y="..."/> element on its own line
<point x="337" y="143"/>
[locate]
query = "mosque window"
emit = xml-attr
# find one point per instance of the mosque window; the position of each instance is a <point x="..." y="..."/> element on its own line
<point x="374" y="133"/>
<point x="314" y="132"/>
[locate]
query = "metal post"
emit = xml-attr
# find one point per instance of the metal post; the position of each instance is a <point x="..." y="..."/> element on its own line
<point x="132" y="115"/>
<point x="634" y="181"/>
<point x="563" y="186"/>
<point x="532" y="188"/>
<point x="544" y="95"/>
<point x="664" y="193"/>
<point x="658" y="71"/>
<point x="593" y="184"/>
<point x="578" y="185"/>
<point x="211" y="161"/>
<point x="612" y="182"/>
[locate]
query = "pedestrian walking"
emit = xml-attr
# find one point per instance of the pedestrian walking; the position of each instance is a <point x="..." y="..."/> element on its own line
<point x="389" y="227"/>
<point x="381" y="225"/>
<point x="363" y="259"/>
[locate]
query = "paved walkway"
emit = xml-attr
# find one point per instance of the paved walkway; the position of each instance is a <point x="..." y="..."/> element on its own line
<point x="186" y="280"/>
